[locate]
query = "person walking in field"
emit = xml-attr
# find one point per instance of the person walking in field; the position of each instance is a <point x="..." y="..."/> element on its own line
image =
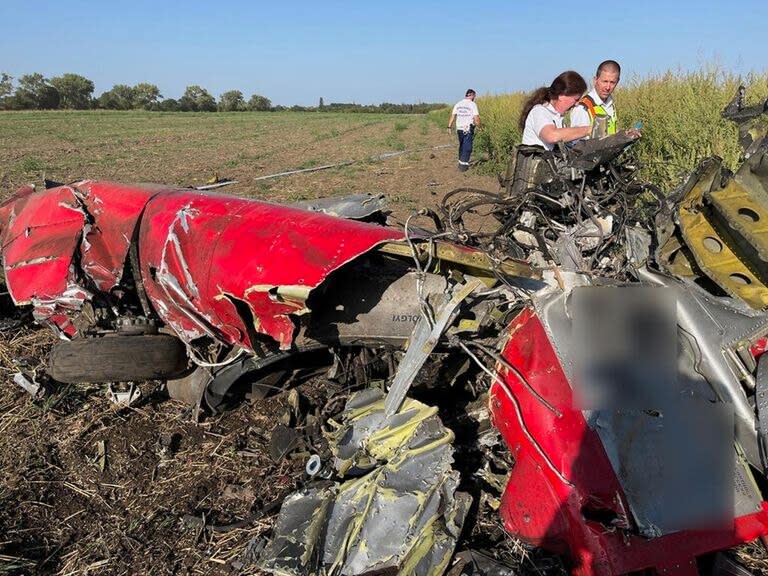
<point x="596" y="108"/>
<point x="541" y="119"/>
<point x="467" y="118"/>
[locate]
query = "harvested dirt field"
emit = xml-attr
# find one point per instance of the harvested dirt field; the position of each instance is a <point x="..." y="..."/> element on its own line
<point x="189" y="149"/>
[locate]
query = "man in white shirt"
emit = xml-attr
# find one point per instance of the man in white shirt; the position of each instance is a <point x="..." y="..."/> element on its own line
<point x="596" y="108"/>
<point x="467" y="118"/>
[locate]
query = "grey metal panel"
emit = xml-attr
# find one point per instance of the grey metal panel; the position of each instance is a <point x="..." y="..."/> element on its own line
<point x="659" y="500"/>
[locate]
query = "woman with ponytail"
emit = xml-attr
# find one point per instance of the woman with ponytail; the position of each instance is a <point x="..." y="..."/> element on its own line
<point x="542" y="117"/>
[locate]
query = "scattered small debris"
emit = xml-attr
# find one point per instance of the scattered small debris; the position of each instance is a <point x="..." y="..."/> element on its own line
<point x="101" y="455"/>
<point x="124" y="398"/>
<point x="217" y="184"/>
<point x="476" y="563"/>
<point x="314" y="465"/>
<point x="34" y="389"/>
<point x="284" y="440"/>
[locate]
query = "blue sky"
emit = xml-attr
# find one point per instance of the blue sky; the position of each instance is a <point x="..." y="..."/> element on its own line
<point x="294" y="52"/>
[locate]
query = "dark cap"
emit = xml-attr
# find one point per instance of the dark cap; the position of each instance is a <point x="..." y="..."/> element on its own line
<point x="470" y="92"/>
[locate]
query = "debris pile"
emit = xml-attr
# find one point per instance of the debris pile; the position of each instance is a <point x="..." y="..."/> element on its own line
<point x="400" y="509"/>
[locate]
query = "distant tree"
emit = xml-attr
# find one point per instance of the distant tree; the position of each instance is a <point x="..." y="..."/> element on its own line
<point x="231" y="101"/>
<point x="385" y="107"/>
<point x="197" y="99"/>
<point x="259" y="103"/>
<point x="321" y="105"/>
<point x="6" y="87"/>
<point x="169" y="105"/>
<point x="121" y="97"/>
<point x="146" y="96"/>
<point x="75" y="91"/>
<point x="34" y="92"/>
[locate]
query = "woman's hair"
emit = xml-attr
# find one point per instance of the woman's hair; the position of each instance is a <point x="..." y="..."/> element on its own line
<point x="569" y="83"/>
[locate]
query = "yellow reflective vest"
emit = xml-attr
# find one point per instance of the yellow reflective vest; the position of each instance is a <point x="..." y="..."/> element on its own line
<point x="602" y="123"/>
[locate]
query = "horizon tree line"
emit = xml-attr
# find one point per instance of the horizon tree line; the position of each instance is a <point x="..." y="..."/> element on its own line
<point x="75" y="92"/>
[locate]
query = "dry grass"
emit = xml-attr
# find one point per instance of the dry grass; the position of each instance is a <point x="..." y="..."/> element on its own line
<point x="62" y="512"/>
<point x="186" y="149"/>
<point x="169" y="496"/>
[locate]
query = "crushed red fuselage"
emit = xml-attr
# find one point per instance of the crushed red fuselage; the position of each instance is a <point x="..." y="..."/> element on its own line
<point x="198" y="254"/>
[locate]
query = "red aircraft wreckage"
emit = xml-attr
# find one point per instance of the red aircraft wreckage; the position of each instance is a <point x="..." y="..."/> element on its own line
<point x="617" y="350"/>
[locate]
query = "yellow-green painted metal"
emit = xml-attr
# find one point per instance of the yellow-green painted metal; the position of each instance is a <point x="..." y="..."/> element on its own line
<point x="725" y="230"/>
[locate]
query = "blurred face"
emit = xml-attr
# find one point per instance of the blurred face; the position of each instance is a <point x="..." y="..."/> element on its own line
<point x="565" y="102"/>
<point x="605" y="83"/>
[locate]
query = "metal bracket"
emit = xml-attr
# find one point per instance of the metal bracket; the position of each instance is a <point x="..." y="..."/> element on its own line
<point x="423" y="340"/>
<point x="126" y="398"/>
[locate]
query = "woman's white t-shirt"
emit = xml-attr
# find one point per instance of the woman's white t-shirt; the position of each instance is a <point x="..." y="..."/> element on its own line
<point x="540" y="115"/>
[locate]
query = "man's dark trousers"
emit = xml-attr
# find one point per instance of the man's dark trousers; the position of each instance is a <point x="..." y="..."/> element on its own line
<point x="466" y="138"/>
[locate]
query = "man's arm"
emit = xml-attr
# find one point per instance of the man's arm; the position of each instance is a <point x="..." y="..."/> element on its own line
<point x="476" y="120"/>
<point x="450" y="121"/>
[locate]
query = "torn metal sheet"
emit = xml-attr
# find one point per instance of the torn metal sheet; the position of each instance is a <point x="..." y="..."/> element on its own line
<point x="63" y="310"/>
<point x="581" y="496"/>
<point x="112" y="212"/>
<point x="209" y="266"/>
<point x="206" y="261"/>
<point x="719" y="325"/>
<point x="54" y="239"/>
<point x="354" y="207"/>
<point x="40" y="233"/>
<point x="399" y="514"/>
